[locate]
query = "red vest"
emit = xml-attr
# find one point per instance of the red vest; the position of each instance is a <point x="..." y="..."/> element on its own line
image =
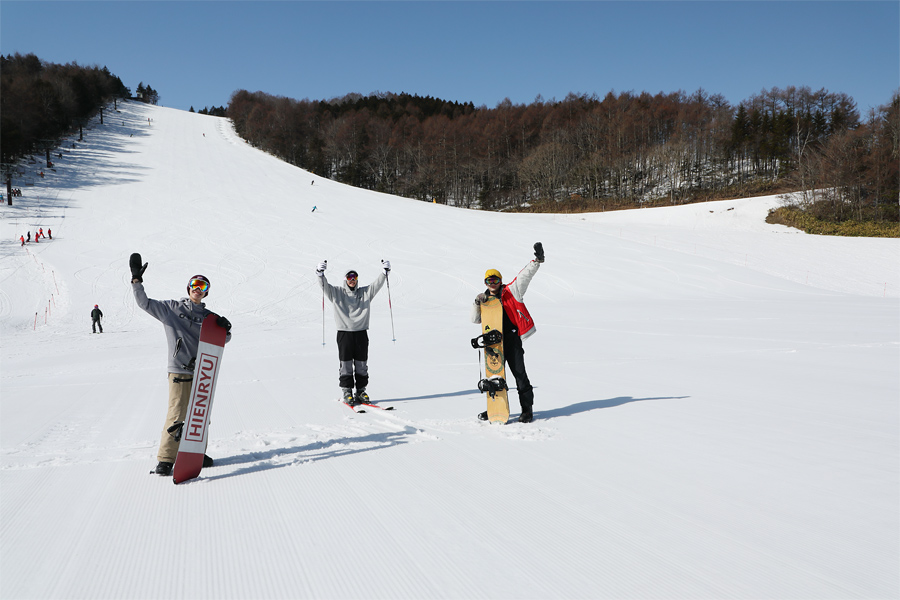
<point x="517" y="313"/>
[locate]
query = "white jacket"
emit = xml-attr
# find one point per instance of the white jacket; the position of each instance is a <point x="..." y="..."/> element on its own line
<point x="351" y="306"/>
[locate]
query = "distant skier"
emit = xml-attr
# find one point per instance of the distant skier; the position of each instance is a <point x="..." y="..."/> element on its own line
<point x="49" y="234"/>
<point x="352" y="305"/>
<point x="314" y="209"/>
<point x="182" y="320"/>
<point x="29" y="236"/>
<point x="517" y="325"/>
<point x="96" y="315"/>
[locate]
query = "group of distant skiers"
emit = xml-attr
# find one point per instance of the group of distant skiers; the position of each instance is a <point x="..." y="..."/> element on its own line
<point x="352" y="306"/>
<point x="25" y="239"/>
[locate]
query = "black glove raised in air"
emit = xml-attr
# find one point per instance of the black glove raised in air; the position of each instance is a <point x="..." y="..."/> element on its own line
<point x="137" y="269"/>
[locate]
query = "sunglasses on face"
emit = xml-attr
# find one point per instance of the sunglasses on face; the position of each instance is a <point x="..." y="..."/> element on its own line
<point x="492" y="280"/>
<point x="199" y="284"/>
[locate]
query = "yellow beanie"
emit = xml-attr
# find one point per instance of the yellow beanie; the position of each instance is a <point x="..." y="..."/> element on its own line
<point x="493" y="273"/>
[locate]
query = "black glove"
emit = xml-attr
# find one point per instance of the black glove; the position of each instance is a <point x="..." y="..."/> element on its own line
<point x="137" y="270"/>
<point x="223" y="323"/>
<point x="539" y="252"/>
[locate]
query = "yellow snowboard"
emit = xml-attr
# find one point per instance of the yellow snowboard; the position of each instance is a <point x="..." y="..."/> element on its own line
<point x="494" y="362"/>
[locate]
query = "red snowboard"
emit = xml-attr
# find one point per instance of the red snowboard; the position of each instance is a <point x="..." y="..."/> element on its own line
<point x="195" y="434"/>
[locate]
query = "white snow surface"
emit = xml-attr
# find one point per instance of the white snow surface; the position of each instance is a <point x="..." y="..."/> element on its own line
<point x="716" y="409"/>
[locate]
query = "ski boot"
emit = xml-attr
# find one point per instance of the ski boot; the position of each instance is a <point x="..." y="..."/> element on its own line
<point x="361" y="397"/>
<point x="347" y="397"/>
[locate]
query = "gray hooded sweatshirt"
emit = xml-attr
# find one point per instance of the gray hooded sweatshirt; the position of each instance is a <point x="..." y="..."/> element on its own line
<point x="182" y="320"/>
<point x="351" y="306"/>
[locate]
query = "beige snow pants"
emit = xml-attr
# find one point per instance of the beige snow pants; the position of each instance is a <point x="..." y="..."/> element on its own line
<point x="179" y="397"/>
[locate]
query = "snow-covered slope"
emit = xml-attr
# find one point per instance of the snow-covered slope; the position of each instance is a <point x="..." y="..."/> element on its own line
<point x="716" y="398"/>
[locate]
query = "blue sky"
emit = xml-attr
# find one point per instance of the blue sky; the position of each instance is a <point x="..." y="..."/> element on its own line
<point x="198" y="53"/>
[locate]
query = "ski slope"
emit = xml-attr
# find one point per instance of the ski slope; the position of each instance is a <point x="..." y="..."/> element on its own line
<point x="716" y="402"/>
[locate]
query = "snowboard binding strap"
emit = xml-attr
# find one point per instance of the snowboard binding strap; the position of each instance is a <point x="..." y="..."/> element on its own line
<point x="492" y="385"/>
<point x="176" y="429"/>
<point x="491" y="338"/>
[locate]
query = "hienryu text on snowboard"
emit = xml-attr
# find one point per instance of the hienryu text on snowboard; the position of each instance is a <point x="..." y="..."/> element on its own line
<point x="197" y="421"/>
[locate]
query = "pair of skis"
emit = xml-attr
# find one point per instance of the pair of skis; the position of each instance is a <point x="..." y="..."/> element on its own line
<point x="354" y="408"/>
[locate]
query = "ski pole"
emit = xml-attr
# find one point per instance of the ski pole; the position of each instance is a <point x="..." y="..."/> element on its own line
<point x="323" y="311"/>
<point x="390" y="307"/>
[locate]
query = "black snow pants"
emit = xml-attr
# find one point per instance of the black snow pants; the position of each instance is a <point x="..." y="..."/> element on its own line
<point x="515" y="362"/>
<point x="353" y="352"/>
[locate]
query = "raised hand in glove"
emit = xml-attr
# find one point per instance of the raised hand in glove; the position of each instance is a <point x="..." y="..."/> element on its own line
<point x="481" y="298"/>
<point x="386" y="265"/>
<point x="137" y="270"/>
<point x="320" y="270"/>
<point x="223" y="323"/>
<point x="539" y="252"/>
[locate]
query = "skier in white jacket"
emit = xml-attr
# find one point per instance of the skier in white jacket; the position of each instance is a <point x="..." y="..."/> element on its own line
<point x="352" y="304"/>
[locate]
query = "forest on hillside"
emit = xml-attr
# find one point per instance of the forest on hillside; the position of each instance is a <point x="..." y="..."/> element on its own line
<point x="43" y="101"/>
<point x="578" y="154"/>
<point x="590" y="153"/>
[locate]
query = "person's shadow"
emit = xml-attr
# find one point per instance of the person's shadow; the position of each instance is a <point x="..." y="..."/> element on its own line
<point x="255" y="462"/>
<point x="580" y="407"/>
<point x="565" y="411"/>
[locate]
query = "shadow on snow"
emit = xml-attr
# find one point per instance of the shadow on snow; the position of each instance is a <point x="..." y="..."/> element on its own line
<point x="581" y="407"/>
<point x="335" y="448"/>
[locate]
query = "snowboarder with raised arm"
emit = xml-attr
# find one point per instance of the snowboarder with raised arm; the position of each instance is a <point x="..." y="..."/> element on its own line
<point x="517" y="325"/>
<point x="182" y="320"/>
<point x="352" y="304"/>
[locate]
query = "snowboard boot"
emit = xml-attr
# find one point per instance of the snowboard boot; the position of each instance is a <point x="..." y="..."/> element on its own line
<point x="483" y="416"/>
<point x="527" y="416"/>
<point x="207" y="461"/>
<point x="164" y="469"/>
<point x="361" y="396"/>
<point x="347" y="397"/>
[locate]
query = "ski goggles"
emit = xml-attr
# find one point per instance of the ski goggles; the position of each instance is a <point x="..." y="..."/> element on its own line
<point x="352" y="276"/>
<point x="492" y="280"/>
<point x="199" y="284"/>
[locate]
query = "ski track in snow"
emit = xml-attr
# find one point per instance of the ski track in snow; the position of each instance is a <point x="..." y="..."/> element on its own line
<point x="716" y="398"/>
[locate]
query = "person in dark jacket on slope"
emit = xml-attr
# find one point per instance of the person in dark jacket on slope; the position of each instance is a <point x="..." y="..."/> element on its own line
<point x="517" y="325"/>
<point x="96" y="315"/>
<point x="182" y="320"/>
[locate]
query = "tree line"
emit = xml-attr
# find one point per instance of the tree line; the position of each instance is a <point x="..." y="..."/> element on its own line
<point x="215" y="111"/>
<point x="146" y="94"/>
<point x="41" y="101"/>
<point x="585" y="152"/>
